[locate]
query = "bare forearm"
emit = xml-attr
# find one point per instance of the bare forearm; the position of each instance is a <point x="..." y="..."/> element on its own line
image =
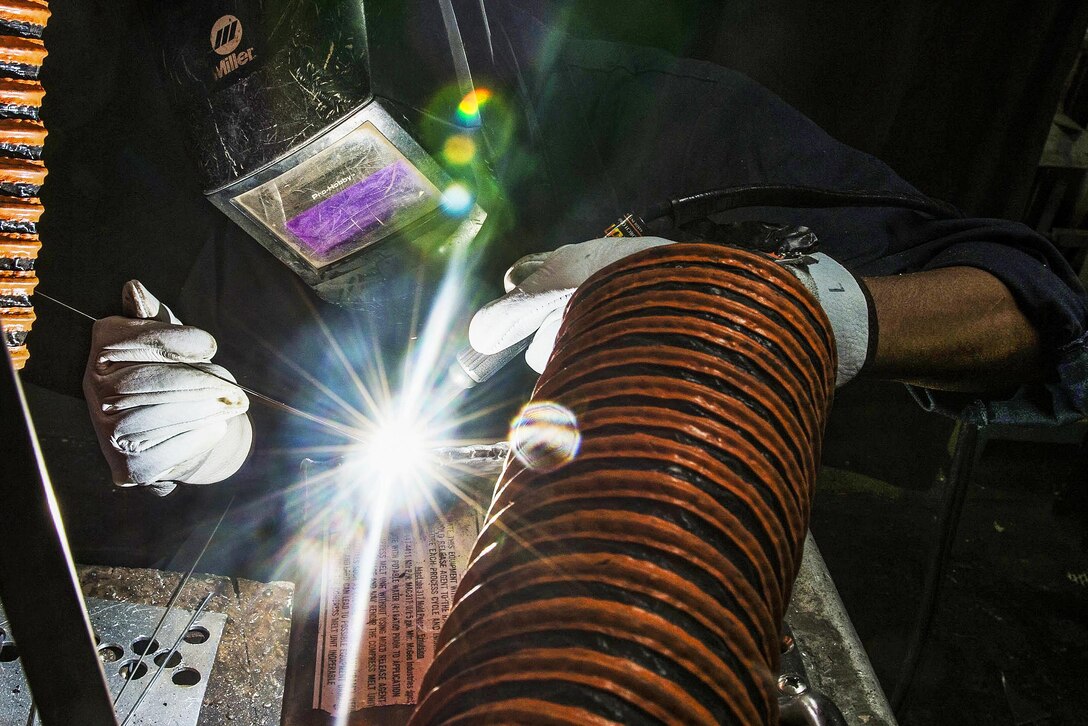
<point x="956" y="329"/>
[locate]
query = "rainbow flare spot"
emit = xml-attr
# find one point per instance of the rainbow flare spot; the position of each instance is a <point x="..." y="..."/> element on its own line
<point x="544" y="436"/>
<point x="468" y="110"/>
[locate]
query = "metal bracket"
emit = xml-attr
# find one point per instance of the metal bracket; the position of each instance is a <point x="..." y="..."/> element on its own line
<point x="122" y="633"/>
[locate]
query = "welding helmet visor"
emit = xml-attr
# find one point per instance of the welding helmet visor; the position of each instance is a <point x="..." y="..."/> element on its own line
<point x="305" y="120"/>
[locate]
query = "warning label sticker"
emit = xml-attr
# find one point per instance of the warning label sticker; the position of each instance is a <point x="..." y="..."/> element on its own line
<point x="410" y="592"/>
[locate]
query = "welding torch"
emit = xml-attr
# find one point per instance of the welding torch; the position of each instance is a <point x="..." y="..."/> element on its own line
<point x="472" y="367"/>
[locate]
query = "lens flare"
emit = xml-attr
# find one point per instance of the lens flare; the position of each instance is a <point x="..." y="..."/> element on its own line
<point x="459" y="149"/>
<point x="468" y="110"/>
<point x="457" y="199"/>
<point x="545" y="436"/>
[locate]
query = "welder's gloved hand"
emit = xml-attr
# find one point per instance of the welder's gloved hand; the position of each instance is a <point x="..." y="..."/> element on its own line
<point x="158" y="420"/>
<point x="538" y="287"/>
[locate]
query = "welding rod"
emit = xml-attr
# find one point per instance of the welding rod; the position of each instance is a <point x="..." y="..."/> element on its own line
<point x="354" y="435"/>
<point x="471" y="368"/>
<point x="166" y="659"/>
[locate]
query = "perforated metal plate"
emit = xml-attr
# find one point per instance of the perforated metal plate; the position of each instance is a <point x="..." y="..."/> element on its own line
<point x="123" y="632"/>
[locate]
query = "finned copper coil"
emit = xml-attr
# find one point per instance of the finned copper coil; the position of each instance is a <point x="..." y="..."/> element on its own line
<point x="24" y="17"/>
<point x="645" y="580"/>
<point x="20" y="99"/>
<point x="22" y="174"/>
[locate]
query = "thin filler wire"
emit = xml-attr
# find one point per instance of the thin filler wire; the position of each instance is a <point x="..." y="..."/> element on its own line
<point x="166" y="659"/>
<point x="66" y="305"/>
<point x="354" y="435"/>
<point x="170" y="605"/>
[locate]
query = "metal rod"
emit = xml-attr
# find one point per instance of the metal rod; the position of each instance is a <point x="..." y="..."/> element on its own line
<point x="174" y="599"/>
<point x="38" y="582"/>
<point x="354" y="435"/>
<point x="964" y="458"/>
<point x="65" y="305"/>
<point x="166" y="659"/>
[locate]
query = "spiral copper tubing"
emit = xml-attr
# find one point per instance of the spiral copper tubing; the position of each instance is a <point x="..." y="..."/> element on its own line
<point x="22" y="172"/>
<point x="646" y="580"/>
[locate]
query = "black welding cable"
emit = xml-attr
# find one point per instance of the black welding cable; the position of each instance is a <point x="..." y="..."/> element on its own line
<point x="683" y="210"/>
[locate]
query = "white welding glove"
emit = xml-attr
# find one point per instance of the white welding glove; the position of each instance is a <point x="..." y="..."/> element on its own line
<point x="539" y="286"/>
<point x="160" y="421"/>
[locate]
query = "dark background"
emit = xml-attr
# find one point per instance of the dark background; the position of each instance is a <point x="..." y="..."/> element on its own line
<point x="956" y="97"/>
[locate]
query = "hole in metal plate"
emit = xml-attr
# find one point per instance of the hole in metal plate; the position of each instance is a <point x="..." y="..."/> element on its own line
<point x="8" y="652"/>
<point x="174" y="661"/>
<point x="126" y="670"/>
<point x="197" y="635"/>
<point x="144" y="645"/>
<point x="186" y="677"/>
<point x="110" y="653"/>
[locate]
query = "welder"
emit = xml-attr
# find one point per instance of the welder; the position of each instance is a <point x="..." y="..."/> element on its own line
<point x="978" y="315"/>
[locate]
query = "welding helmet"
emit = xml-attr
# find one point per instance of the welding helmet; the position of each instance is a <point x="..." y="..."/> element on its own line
<point x="305" y="121"/>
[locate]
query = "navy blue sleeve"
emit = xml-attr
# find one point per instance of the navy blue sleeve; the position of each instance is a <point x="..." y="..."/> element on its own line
<point x="620" y="128"/>
<point x="1049" y="294"/>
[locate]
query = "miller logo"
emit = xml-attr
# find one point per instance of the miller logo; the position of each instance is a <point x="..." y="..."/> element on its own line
<point x="225" y="37"/>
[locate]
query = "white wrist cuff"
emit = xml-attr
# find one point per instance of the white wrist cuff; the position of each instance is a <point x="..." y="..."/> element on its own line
<point x="846" y="304"/>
